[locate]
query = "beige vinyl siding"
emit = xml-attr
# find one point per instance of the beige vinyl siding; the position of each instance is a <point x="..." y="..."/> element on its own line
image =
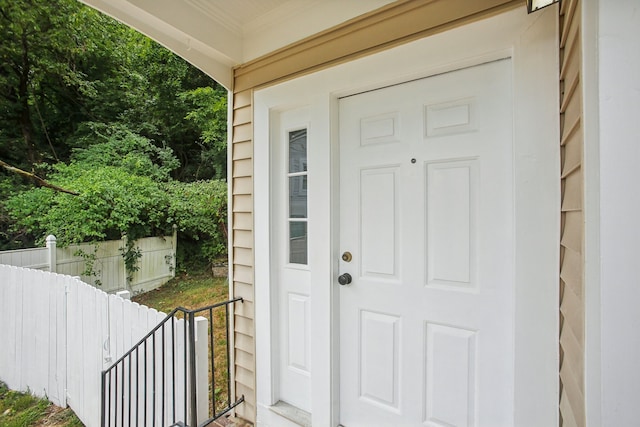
<point x="242" y="238"/>
<point x="572" y="406"/>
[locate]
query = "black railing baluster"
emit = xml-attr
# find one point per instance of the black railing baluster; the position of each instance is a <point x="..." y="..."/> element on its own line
<point x="129" y="389"/>
<point x="122" y="395"/>
<point x="102" y="400"/>
<point x="118" y="390"/>
<point x="163" y="378"/>
<point x="115" y="397"/>
<point x="226" y="327"/>
<point x="185" y="366"/>
<point x="146" y="356"/>
<point x="137" y="385"/>
<point x="109" y="397"/>
<point x="173" y="368"/>
<point x="213" y="356"/>
<point x="153" y="387"/>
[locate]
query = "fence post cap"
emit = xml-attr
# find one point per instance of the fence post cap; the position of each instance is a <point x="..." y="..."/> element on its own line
<point x="51" y="238"/>
<point x="124" y="294"/>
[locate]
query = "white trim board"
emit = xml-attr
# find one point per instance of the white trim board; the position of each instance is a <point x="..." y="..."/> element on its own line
<point x="531" y="42"/>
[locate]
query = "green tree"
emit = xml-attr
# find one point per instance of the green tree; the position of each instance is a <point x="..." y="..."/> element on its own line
<point x="43" y="81"/>
<point x="93" y="107"/>
<point x="124" y="186"/>
<point x="119" y="181"/>
<point x="209" y="113"/>
<point x="101" y="145"/>
<point x="199" y="209"/>
<point x="63" y="64"/>
<point x="174" y="104"/>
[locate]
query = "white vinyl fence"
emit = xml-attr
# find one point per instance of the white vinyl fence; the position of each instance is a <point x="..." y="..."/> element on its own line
<point x="155" y="267"/>
<point x="58" y="334"/>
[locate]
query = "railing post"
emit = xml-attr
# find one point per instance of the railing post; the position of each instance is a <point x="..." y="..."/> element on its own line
<point x="103" y="412"/>
<point x="202" y="369"/>
<point x="52" y="253"/>
<point x="193" y="415"/>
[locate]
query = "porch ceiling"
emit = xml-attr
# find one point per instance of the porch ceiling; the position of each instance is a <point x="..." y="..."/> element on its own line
<point x="217" y="35"/>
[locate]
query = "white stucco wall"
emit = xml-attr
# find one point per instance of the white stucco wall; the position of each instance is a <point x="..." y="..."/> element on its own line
<point x="619" y="146"/>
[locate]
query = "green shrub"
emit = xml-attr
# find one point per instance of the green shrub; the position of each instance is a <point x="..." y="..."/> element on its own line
<point x="199" y="209"/>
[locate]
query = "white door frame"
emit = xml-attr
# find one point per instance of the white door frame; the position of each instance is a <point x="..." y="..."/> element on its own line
<point x="531" y="42"/>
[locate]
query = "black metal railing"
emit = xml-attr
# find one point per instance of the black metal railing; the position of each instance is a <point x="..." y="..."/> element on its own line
<point x="160" y="380"/>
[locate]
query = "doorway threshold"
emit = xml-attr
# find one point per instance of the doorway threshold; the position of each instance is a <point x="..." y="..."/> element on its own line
<point x="292" y="413"/>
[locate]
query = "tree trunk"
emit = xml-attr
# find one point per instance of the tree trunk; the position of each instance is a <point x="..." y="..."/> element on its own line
<point x="36" y="178"/>
<point x="26" y="125"/>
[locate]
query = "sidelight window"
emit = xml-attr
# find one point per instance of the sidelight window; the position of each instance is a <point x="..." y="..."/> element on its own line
<point x="297" y="181"/>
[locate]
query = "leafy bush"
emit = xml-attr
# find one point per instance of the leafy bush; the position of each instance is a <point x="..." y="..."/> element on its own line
<point x="124" y="186"/>
<point x="11" y="236"/>
<point x="115" y="145"/>
<point x="199" y="209"/>
<point x="209" y="113"/>
<point x="111" y="202"/>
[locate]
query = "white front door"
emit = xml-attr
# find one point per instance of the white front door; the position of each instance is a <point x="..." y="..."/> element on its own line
<point x="426" y="211"/>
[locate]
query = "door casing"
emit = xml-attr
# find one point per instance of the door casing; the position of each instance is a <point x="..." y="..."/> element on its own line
<point x="531" y="42"/>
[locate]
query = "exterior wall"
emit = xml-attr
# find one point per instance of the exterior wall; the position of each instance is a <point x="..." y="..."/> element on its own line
<point x="618" y="95"/>
<point x="388" y="27"/>
<point x="242" y="251"/>
<point x="572" y="302"/>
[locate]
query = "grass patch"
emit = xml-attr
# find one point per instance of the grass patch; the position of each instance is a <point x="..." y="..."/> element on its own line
<point x="193" y="291"/>
<point x="23" y="409"/>
<point x="187" y="290"/>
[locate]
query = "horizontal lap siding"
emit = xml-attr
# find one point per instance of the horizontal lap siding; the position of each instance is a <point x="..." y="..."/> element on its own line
<point x="242" y="220"/>
<point x="572" y="406"/>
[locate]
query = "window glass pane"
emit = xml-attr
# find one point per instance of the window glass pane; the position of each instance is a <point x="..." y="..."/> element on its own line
<point x="298" y="151"/>
<point x="298" y="196"/>
<point x="297" y="242"/>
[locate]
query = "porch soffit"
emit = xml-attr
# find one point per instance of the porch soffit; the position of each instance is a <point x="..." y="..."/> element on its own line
<point x="386" y="27"/>
<point x="218" y="35"/>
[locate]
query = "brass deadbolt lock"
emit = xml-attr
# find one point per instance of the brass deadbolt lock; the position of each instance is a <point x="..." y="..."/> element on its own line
<point x="346" y="257"/>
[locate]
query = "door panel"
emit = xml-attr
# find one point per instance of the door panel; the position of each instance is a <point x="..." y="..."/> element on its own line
<point x="451" y="211"/>
<point x="426" y="209"/>
<point x="292" y="318"/>
<point x="379" y="210"/>
<point x="450" y="375"/>
<point x="379" y="350"/>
